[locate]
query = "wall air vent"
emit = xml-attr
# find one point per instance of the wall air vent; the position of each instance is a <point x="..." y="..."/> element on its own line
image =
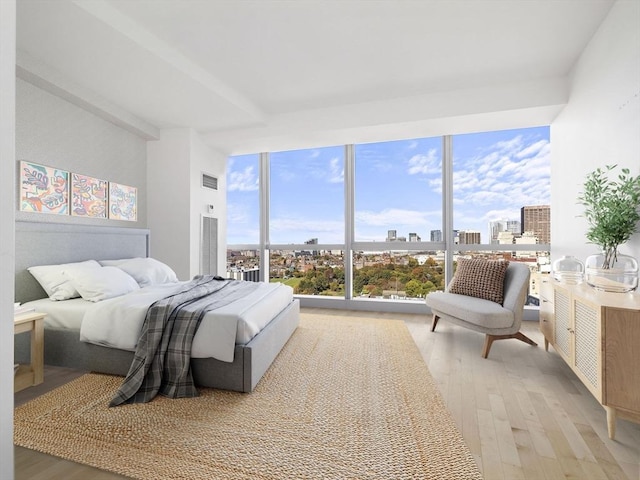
<point x="209" y="182"/>
<point x="209" y="246"/>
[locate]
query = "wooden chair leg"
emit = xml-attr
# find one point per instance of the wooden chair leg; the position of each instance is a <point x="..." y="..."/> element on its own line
<point x="522" y="337"/>
<point x="489" y="339"/>
<point x="434" y="322"/>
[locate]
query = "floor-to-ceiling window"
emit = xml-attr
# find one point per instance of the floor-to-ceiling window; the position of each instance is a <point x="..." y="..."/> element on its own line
<point x="501" y="196"/>
<point x="243" y="217"/>
<point x="306" y="220"/>
<point x="388" y="220"/>
<point x="397" y="251"/>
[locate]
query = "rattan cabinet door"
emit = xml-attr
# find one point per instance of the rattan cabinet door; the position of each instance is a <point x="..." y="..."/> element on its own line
<point x="588" y="351"/>
<point x="546" y="310"/>
<point x="563" y="323"/>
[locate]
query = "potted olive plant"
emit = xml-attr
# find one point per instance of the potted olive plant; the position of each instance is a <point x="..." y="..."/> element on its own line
<point x="611" y="209"/>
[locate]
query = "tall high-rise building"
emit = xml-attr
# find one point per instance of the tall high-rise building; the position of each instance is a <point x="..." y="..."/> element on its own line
<point x="436" y="235"/>
<point x="537" y="219"/>
<point x="414" y="237"/>
<point x="495" y="227"/>
<point x="392" y="235"/>
<point x="514" y="227"/>
<point x="468" y="237"/>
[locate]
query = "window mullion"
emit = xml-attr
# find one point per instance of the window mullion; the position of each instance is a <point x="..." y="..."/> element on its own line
<point x="447" y="205"/>
<point x="349" y="218"/>
<point x="264" y="217"/>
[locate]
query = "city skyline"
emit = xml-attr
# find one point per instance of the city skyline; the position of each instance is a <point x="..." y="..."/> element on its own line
<point x="398" y="186"/>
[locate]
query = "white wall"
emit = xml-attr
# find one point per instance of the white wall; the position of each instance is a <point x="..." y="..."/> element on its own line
<point x="176" y="199"/>
<point x="168" y="216"/>
<point x="7" y="236"/>
<point x="206" y="160"/>
<point x="52" y="131"/>
<point x="599" y="126"/>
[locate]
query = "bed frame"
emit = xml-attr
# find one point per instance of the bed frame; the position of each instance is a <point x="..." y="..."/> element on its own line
<point x="49" y="243"/>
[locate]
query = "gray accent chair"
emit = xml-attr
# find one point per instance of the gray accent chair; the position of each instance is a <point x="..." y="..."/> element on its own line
<point x="496" y="321"/>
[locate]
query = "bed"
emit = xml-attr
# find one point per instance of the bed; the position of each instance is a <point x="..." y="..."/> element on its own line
<point x="48" y="244"/>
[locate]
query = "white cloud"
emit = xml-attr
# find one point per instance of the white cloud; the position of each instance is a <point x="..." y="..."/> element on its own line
<point x="395" y="216"/>
<point x="424" y="164"/>
<point x="435" y="184"/>
<point x="243" y="180"/>
<point x="484" y="197"/>
<point x="237" y="214"/>
<point x="504" y="213"/>
<point x="336" y="171"/>
<point x="508" y="146"/>
<point x="299" y="230"/>
<point x="532" y="149"/>
<point x="510" y="172"/>
<point x="372" y="226"/>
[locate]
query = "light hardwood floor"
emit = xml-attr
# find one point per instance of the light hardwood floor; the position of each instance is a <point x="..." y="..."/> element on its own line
<point x="522" y="412"/>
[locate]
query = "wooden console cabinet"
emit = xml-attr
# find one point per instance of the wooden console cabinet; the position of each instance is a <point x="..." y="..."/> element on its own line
<point x="598" y="335"/>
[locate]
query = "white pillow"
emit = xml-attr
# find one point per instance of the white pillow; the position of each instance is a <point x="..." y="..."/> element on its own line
<point x="95" y="284"/>
<point x="113" y="263"/>
<point x="53" y="281"/>
<point x="146" y="271"/>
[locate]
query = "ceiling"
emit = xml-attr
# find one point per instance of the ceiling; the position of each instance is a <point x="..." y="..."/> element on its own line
<point x="254" y="75"/>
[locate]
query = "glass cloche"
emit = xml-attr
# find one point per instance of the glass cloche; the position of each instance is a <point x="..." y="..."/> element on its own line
<point x="568" y="269"/>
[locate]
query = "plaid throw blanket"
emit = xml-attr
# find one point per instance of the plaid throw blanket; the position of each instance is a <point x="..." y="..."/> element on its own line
<point x="161" y="364"/>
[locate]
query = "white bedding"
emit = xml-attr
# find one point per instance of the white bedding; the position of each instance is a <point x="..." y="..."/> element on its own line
<point x="61" y="314"/>
<point x="117" y="322"/>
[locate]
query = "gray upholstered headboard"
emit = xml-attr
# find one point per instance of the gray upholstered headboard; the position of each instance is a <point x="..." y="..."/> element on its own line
<point x="53" y="243"/>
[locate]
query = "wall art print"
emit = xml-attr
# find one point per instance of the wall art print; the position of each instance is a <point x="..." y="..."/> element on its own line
<point x="88" y="196"/>
<point x="123" y="202"/>
<point x="43" y="189"/>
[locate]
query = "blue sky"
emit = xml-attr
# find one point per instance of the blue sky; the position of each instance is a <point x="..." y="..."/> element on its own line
<point x="398" y="186"/>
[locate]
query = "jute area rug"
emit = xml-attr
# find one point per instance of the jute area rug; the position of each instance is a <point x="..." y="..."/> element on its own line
<point x="347" y="398"/>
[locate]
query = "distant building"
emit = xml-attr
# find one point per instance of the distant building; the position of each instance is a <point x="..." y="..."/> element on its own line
<point x="252" y="275"/>
<point x="392" y="235"/>
<point x="312" y="241"/>
<point x="495" y="228"/>
<point x="468" y="237"/>
<point x="505" y="238"/>
<point x="414" y="237"/>
<point x="537" y="219"/>
<point x="436" y="235"/>
<point x="527" y="238"/>
<point x="514" y="226"/>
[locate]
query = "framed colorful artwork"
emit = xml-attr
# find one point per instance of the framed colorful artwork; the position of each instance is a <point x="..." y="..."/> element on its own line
<point x="43" y="189"/>
<point x="123" y="202"/>
<point x="88" y="196"/>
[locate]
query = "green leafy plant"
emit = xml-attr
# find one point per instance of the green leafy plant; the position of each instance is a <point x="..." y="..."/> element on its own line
<point x="611" y="209"/>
